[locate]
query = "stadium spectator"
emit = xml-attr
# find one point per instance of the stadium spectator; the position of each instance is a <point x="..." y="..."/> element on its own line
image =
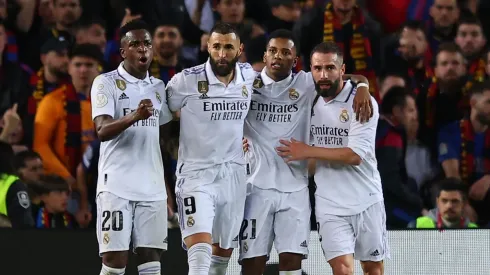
<point x="29" y="167"/>
<point x="91" y="31"/>
<point x="471" y="41"/>
<point x="63" y="125"/>
<point x="463" y="150"/>
<point x="52" y="211"/>
<point x="388" y="81"/>
<point x="449" y="211"/>
<point x="398" y="113"/>
<point x="441" y="27"/>
<point x="14" y="200"/>
<point x="167" y="61"/>
<point x="53" y="73"/>
<point x="285" y="13"/>
<point x="11" y="126"/>
<point x="346" y="24"/>
<point x="66" y="14"/>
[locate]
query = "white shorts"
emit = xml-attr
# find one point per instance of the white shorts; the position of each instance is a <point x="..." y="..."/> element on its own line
<point x="213" y="206"/>
<point x="363" y="235"/>
<point x="120" y="221"/>
<point x="274" y="216"/>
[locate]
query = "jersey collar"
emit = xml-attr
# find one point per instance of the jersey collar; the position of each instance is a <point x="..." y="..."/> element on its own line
<point x="267" y="80"/>
<point x="212" y="79"/>
<point x="129" y="78"/>
<point x="346" y="92"/>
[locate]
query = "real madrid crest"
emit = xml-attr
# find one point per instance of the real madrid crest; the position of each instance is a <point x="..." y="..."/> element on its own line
<point x="245" y="247"/>
<point x="203" y="88"/>
<point x="190" y="221"/>
<point x="121" y="84"/>
<point x="158" y="97"/>
<point x="106" y="239"/>
<point x="244" y="91"/>
<point x="258" y="83"/>
<point x="293" y="94"/>
<point x="344" y="116"/>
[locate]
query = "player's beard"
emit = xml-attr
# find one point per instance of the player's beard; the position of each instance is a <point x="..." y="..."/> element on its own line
<point x="330" y="92"/>
<point x="483" y="118"/>
<point x="223" y="70"/>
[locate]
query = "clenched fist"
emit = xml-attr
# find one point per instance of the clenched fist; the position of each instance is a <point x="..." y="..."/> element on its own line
<point x="145" y="109"/>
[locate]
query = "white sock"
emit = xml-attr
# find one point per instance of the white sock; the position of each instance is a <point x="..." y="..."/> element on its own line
<point x="111" y="271"/>
<point x="218" y="265"/>
<point x="199" y="259"/>
<point x="292" y="272"/>
<point x="149" y="268"/>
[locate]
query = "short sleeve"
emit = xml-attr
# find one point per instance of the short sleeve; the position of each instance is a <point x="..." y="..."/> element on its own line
<point x="176" y="92"/>
<point x="362" y="136"/>
<point x="165" y="113"/>
<point x="449" y="142"/>
<point x="103" y="97"/>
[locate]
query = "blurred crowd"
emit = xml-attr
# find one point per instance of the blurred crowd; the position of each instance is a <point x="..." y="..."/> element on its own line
<point x="426" y="61"/>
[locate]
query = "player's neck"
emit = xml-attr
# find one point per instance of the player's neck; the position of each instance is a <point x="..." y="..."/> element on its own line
<point x="134" y="72"/>
<point x="169" y="62"/>
<point x="226" y="79"/>
<point x="478" y="127"/>
<point x="274" y="77"/>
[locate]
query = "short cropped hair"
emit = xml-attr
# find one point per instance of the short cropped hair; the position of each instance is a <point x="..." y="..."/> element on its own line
<point x="133" y="25"/>
<point x="87" y="50"/>
<point x="328" y="47"/>
<point x="395" y="97"/>
<point x="223" y="28"/>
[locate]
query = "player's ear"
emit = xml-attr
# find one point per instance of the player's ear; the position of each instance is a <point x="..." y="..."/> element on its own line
<point x="240" y="49"/>
<point x="342" y="70"/>
<point x="264" y="59"/>
<point x="295" y="62"/>
<point x="122" y="52"/>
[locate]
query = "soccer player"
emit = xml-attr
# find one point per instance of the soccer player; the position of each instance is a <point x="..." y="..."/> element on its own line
<point x="128" y="106"/>
<point x="213" y="99"/>
<point x="277" y="207"/>
<point x="349" y="200"/>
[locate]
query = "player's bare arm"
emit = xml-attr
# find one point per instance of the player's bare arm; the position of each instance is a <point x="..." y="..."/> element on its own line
<point x="296" y="150"/>
<point x="362" y="101"/>
<point x="108" y="128"/>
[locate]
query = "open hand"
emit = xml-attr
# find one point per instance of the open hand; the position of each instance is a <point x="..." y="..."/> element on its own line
<point x="292" y="150"/>
<point x="362" y="105"/>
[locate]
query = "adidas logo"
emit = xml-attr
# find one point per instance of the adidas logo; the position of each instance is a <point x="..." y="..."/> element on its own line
<point x="166" y="240"/>
<point x="123" y="96"/>
<point x="235" y="239"/>
<point x="304" y="244"/>
<point x="375" y="253"/>
<point x="255" y="92"/>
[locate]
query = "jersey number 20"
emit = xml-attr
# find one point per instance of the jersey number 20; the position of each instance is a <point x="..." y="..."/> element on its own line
<point x="117" y="221"/>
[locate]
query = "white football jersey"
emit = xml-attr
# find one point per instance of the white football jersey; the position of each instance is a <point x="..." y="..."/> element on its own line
<point x="211" y="115"/>
<point x="346" y="189"/>
<point x="279" y="110"/>
<point x="130" y="164"/>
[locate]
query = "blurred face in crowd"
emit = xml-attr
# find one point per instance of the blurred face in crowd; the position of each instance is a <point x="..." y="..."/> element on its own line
<point x="450" y="67"/>
<point x="137" y="50"/>
<point x="83" y="71"/>
<point x="445" y="13"/>
<point x="167" y="41"/>
<point x="406" y="115"/>
<point x="95" y="34"/>
<point x="66" y="12"/>
<point x="45" y="11"/>
<point x="470" y="39"/>
<point x="327" y="70"/>
<point x="413" y="44"/>
<point x="56" y="62"/>
<point x="343" y="6"/>
<point x="390" y="82"/>
<point x="231" y="11"/>
<point x="56" y="201"/>
<point x="224" y="51"/>
<point x="288" y="13"/>
<point x="33" y="169"/>
<point x="3" y="38"/>
<point x="280" y="57"/>
<point x="3" y="9"/>
<point x="480" y="104"/>
<point x="450" y="204"/>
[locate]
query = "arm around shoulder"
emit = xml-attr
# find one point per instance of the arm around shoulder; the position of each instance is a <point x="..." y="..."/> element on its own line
<point x="176" y="92"/>
<point x="362" y="136"/>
